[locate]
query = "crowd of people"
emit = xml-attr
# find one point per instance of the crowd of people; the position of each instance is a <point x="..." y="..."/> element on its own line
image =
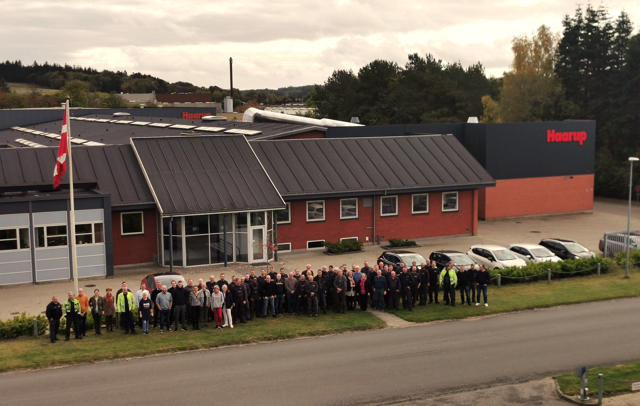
<point x="270" y="293"/>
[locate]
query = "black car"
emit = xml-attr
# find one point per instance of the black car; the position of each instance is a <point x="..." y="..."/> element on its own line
<point x="443" y="257"/>
<point x="566" y="249"/>
<point x="393" y="258"/>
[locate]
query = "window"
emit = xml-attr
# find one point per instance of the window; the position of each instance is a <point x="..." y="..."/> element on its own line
<point x="284" y="247"/>
<point x="90" y="233"/>
<point x="14" y="239"/>
<point x="420" y="203"/>
<point x="348" y="209"/>
<point x="449" y="201"/>
<point x="315" y="210"/>
<point x="315" y="244"/>
<point x="388" y="205"/>
<point x="349" y="239"/>
<point x="51" y="236"/>
<point x="132" y="223"/>
<point x="284" y="216"/>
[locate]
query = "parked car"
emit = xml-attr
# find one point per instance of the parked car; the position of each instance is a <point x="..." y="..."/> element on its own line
<point x="443" y="257"/>
<point x="614" y="242"/>
<point x="495" y="257"/>
<point x="163" y="278"/>
<point x="394" y="258"/>
<point x="533" y="253"/>
<point x="566" y="249"/>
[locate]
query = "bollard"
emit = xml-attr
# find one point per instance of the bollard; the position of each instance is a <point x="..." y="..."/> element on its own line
<point x="600" y="385"/>
<point x="598" y="268"/>
<point x="35" y="327"/>
<point x="549" y="275"/>
<point x="499" y="280"/>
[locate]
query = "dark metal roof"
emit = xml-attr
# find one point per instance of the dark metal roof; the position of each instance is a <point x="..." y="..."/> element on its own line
<point x="324" y="168"/>
<point x="114" y="168"/>
<point x="119" y="130"/>
<point x="205" y="174"/>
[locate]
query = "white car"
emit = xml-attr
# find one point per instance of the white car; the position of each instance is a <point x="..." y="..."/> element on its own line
<point x="533" y="253"/>
<point x="495" y="257"/>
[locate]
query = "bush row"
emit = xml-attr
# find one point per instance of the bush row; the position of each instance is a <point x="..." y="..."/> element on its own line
<point x="564" y="269"/>
<point x="398" y="242"/>
<point x="621" y="257"/>
<point x="22" y="325"/>
<point x="343" y="246"/>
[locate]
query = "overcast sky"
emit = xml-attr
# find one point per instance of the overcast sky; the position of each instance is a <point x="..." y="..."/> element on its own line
<point x="274" y="43"/>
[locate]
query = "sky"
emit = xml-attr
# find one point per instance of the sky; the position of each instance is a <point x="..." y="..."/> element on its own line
<point x="274" y="43"/>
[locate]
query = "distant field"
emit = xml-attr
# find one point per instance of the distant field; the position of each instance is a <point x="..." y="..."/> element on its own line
<point x="26" y="88"/>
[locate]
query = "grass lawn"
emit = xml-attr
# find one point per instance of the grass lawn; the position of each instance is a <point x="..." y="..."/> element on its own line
<point x="617" y="380"/>
<point x="533" y="295"/>
<point x="26" y="352"/>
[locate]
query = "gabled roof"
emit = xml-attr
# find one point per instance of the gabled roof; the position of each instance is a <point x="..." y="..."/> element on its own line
<point x="325" y="168"/>
<point x="114" y="168"/>
<point x="205" y="174"/>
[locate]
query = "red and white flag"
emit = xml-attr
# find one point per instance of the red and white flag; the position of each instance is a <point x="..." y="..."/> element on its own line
<point x="63" y="150"/>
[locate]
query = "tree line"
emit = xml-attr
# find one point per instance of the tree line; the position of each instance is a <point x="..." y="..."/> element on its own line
<point x="92" y="88"/>
<point x="589" y="71"/>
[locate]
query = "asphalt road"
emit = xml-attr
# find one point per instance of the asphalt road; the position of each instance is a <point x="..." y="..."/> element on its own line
<point x="356" y="368"/>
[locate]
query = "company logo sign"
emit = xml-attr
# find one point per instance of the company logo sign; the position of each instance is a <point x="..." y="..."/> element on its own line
<point x="567" y="136"/>
<point x="195" y="116"/>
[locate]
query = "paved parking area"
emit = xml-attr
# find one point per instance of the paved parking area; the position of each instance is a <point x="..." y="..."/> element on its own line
<point x="587" y="228"/>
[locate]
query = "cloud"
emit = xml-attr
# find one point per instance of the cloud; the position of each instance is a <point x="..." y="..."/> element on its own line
<point x="273" y="44"/>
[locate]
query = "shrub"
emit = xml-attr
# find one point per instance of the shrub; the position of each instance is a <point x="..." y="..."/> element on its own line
<point x="343" y="246"/>
<point x="397" y="242"/>
<point x="22" y="326"/>
<point x="535" y="271"/>
<point x="621" y="257"/>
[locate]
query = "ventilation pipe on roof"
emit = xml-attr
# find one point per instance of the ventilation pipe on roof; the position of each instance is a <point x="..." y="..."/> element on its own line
<point x="255" y="115"/>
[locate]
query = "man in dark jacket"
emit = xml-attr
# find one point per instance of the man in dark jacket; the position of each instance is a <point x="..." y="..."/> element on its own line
<point x="280" y="292"/>
<point x="394" y="290"/>
<point x="312" y="297"/>
<point x="54" y="313"/>
<point x="340" y="285"/>
<point x="268" y="296"/>
<point x="406" y="286"/>
<point x="180" y="299"/>
<point x="482" y="279"/>
<point x="463" y="286"/>
<point x="434" y="282"/>
<point x="379" y="290"/>
<point x="239" y="300"/>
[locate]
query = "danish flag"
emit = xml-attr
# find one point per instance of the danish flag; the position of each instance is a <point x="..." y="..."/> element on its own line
<point x="63" y="150"/>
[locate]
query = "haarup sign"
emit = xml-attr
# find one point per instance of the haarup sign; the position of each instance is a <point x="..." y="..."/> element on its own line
<point x="567" y="136"/>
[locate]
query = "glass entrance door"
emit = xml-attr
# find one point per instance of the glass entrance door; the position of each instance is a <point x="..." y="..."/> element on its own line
<point x="258" y="244"/>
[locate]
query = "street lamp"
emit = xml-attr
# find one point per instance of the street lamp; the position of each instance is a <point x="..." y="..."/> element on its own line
<point x="632" y="159"/>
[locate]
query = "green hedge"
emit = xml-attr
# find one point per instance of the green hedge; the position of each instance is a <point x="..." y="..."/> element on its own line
<point x="397" y="242"/>
<point x="22" y="326"/>
<point x="342" y="247"/>
<point x="535" y="271"/>
<point x="621" y="257"/>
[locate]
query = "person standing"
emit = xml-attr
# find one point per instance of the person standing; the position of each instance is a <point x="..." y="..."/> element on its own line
<point x="406" y="285"/>
<point x="164" y="303"/>
<point x="217" y="303"/>
<point x="239" y="295"/>
<point x="54" y="313"/>
<point x="280" y="292"/>
<point x="145" y="311"/>
<point x="125" y="304"/>
<point x="291" y="285"/>
<point x="180" y="296"/>
<point x="154" y="294"/>
<point x="109" y="309"/>
<point x="84" y="308"/>
<point x="448" y="281"/>
<point x="340" y="286"/>
<point x="196" y="297"/>
<point x="482" y="279"/>
<point x="71" y="309"/>
<point x="312" y="297"/>
<point x="96" y="304"/>
<point x="268" y="296"/>
<point x="363" y="291"/>
<point x="379" y="290"/>
<point x="434" y="283"/>
<point x="394" y="288"/>
<point x="463" y="286"/>
<point x="227" y="307"/>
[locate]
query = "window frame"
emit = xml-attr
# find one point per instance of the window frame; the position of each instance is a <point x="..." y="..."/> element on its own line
<point x="413" y="211"/>
<point x="444" y="200"/>
<point x="288" y="209"/>
<point x="315" y="248"/>
<point x="47" y="236"/>
<point x="141" y="232"/>
<point x="92" y="233"/>
<point x="17" y="238"/>
<point x="349" y="238"/>
<point x="324" y="211"/>
<point x="281" y="249"/>
<point x="395" y="213"/>
<point x="356" y="206"/>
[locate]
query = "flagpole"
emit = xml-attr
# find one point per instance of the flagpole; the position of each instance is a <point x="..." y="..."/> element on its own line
<point x="72" y="211"/>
